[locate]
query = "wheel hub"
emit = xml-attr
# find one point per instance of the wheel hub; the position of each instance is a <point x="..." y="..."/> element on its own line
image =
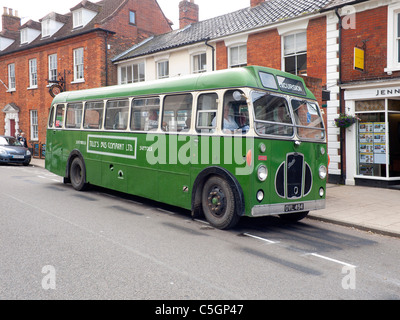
<point x="216" y="201"/>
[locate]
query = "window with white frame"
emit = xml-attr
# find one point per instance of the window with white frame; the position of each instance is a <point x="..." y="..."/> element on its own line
<point x="132" y="73"/>
<point x="132" y="17"/>
<point x="34" y="125"/>
<point x="11" y="77"/>
<point x="46" y="28"/>
<point x="162" y="69"/>
<point x="397" y="38"/>
<point x="393" y="38"/>
<point x="24" y="35"/>
<point x="238" y="56"/>
<point x="295" y="53"/>
<point x="78" y="65"/>
<point x="53" y="67"/>
<point x="33" y="73"/>
<point x="77" y="19"/>
<point x="199" y="63"/>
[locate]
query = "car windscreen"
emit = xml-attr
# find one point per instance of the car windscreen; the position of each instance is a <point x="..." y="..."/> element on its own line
<point x="9" y="141"/>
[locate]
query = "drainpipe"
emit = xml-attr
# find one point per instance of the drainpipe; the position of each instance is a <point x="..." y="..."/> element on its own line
<point x="106" y="56"/>
<point x="342" y="137"/>
<point x="213" y="53"/>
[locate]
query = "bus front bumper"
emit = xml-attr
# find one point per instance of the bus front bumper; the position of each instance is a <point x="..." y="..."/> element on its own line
<point x="282" y="208"/>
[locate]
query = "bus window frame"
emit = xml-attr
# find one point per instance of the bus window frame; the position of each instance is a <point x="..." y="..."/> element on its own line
<point x="66" y="115"/>
<point x="297" y="126"/>
<point x="101" y="123"/>
<point x="165" y="125"/>
<point x="196" y="111"/>
<point x="274" y="136"/>
<point x="50" y="123"/>
<point x="63" y="115"/>
<point x="106" y="108"/>
<point x="135" y="98"/>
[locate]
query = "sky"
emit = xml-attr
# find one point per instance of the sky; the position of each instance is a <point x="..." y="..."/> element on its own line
<point x="37" y="9"/>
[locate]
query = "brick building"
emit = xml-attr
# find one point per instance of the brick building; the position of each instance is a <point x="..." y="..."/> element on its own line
<point x="281" y="34"/>
<point x="368" y="86"/>
<point x="74" y="49"/>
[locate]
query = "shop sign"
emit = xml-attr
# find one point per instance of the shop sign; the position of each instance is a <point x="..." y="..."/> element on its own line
<point x="359" y="59"/>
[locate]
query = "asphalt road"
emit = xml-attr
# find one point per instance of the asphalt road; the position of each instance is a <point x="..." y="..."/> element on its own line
<point x="57" y="243"/>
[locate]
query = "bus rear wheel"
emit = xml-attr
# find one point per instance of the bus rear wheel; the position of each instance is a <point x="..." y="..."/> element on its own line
<point x="219" y="203"/>
<point x="78" y="174"/>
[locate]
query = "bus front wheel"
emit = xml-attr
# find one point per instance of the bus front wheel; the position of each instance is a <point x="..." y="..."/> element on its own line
<point x="78" y="174"/>
<point x="218" y="203"/>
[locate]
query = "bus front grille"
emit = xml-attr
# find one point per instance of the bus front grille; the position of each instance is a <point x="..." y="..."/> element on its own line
<point x="293" y="178"/>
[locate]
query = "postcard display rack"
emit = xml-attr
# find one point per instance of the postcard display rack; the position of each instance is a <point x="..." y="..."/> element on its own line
<point x="372" y="147"/>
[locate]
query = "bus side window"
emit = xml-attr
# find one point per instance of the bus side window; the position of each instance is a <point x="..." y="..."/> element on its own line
<point x="93" y="115"/>
<point x="74" y="115"/>
<point x="236" y="114"/>
<point x="51" y="117"/>
<point x="59" y="116"/>
<point x="117" y="114"/>
<point x="145" y="114"/>
<point x="207" y="106"/>
<point x="177" y="113"/>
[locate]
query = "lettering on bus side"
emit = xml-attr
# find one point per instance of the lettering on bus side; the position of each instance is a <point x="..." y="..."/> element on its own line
<point x="118" y="146"/>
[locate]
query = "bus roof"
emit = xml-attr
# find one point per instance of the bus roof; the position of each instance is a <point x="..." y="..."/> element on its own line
<point x="228" y="78"/>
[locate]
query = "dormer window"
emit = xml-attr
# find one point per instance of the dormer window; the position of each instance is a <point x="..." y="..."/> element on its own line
<point x="77" y="19"/>
<point x="5" y="43"/>
<point x="24" y="36"/>
<point x="52" y="23"/>
<point x="30" y="31"/>
<point x="81" y="17"/>
<point x="46" y="28"/>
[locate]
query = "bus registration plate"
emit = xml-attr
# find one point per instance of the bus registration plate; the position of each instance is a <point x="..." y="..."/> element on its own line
<point x="294" y="207"/>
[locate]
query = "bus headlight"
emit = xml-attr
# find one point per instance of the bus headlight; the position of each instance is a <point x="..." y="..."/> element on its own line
<point x="262" y="147"/>
<point x="322" y="172"/>
<point x="262" y="173"/>
<point x="260" y="195"/>
<point x="321" y="192"/>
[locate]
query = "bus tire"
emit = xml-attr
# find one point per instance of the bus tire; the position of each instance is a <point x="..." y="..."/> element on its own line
<point x="294" y="217"/>
<point x="77" y="173"/>
<point x="218" y="203"/>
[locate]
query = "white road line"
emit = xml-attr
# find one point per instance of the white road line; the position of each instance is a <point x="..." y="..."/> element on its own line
<point x="259" y="238"/>
<point x="332" y="260"/>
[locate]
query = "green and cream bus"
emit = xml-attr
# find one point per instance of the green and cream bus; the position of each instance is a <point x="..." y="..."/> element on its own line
<point x="239" y="142"/>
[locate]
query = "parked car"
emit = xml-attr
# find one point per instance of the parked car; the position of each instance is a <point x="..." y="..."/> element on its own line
<point x="12" y="151"/>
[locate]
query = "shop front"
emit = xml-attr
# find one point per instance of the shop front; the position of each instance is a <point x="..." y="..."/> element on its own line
<point x="373" y="143"/>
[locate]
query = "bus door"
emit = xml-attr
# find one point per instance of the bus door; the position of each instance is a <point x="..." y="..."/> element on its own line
<point x="55" y="142"/>
<point x="175" y="146"/>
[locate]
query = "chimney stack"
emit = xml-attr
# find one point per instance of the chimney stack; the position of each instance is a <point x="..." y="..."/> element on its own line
<point x="10" y="21"/>
<point x="254" y="3"/>
<point x="188" y="13"/>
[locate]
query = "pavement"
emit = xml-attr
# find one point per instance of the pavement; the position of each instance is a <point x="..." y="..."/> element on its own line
<point x="376" y="210"/>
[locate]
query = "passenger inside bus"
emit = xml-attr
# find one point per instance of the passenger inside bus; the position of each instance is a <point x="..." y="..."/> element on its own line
<point x="153" y="120"/>
<point x="234" y="122"/>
